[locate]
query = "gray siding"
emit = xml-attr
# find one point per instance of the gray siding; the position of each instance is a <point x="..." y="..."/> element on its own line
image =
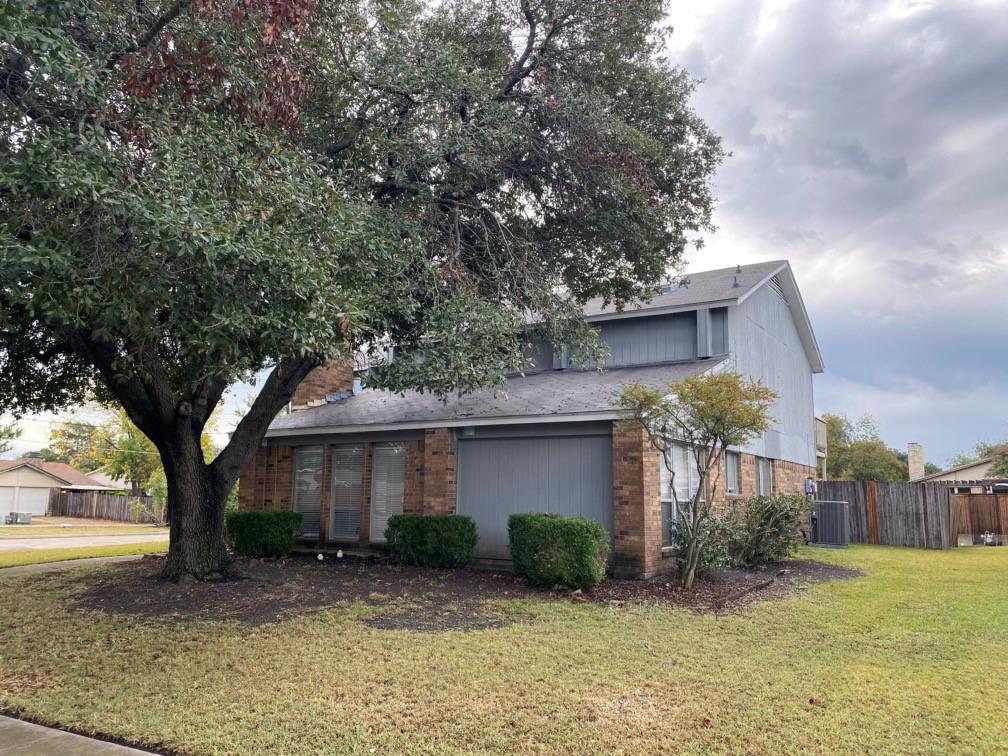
<point x="498" y="477"/>
<point x="719" y="330"/>
<point x="643" y="341"/>
<point x="540" y="356"/>
<point x="765" y="345"/>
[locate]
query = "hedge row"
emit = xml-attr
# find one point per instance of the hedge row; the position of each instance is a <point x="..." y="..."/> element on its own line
<point x="262" y="534"/>
<point x="431" y="540"/>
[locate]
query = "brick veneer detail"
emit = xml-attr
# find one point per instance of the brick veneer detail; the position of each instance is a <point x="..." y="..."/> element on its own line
<point x="327" y="379"/>
<point x="637" y="540"/>
<point x="439" y="471"/>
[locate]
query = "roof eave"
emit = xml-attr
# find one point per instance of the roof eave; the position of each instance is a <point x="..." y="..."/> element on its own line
<point x="574" y="417"/>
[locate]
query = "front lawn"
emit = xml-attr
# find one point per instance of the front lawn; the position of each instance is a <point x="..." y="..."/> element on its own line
<point x="911" y="657"/>
<point x="40" y="556"/>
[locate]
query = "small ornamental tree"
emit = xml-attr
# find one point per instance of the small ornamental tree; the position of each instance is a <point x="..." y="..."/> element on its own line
<point x="196" y="192"/>
<point x="706" y="413"/>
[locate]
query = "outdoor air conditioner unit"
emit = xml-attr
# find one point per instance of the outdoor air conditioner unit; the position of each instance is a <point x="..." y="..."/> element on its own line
<point x="831" y="524"/>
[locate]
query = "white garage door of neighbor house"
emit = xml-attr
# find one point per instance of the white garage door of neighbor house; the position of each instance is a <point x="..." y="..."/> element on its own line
<point x="33" y="500"/>
<point x="6" y="500"/>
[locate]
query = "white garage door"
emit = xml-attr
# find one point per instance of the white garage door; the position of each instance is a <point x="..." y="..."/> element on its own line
<point x="33" y="500"/>
<point x="6" y="500"/>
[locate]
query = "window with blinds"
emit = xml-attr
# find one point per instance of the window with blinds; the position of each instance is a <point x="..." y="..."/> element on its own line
<point x="308" y="488"/>
<point x="388" y="486"/>
<point x="733" y="472"/>
<point x="347" y="493"/>
<point x="678" y="486"/>
<point x="764" y="476"/>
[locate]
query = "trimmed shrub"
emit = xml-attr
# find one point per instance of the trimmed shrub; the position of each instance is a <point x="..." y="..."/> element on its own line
<point x="262" y="534"/>
<point x="550" y="550"/>
<point x="767" y="529"/>
<point x="713" y="538"/>
<point x="431" y="540"/>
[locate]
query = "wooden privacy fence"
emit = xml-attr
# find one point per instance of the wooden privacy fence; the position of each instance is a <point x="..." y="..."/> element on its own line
<point x="976" y="514"/>
<point x="97" y="505"/>
<point x="894" y="514"/>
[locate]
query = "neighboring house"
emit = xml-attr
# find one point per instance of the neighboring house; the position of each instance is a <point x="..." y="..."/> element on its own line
<point x="112" y="485"/>
<point x="25" y="484"/>
<point x="973" y="477"/>
<point x="550" y="441"/>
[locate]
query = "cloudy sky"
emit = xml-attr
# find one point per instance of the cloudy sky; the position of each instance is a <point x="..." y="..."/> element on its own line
<point x="870" y="148"/>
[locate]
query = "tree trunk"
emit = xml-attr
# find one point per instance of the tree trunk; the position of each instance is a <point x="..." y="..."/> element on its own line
<point x="196" y="500"/>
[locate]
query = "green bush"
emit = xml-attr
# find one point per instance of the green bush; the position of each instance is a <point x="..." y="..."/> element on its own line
<point x="767" y="529"/>
<point x="431" y="540"/>
<point x="713" y="538"/>
<point x="551" y="550"/>
<point x="262" y="534"/>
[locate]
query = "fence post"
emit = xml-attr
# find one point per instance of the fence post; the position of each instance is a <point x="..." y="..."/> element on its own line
<point x="871" y="510"/>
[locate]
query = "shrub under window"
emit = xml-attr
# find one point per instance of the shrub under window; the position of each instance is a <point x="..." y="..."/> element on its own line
<point x="431" y="540"/>
<point x="551" y="550"/>
<point x="262" y="534"/>
<point x="767" y="529"/>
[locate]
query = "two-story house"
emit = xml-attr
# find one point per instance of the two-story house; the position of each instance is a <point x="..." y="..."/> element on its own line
<point x="550" y="441"/>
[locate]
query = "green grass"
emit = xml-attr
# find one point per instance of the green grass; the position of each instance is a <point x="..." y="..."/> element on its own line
<point x="34" y="531"/>
<point x="39" y="556"/>
<point x="910" y="658"/>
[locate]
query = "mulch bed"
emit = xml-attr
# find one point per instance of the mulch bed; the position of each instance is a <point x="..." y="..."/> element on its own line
<point x="260" y="592"/>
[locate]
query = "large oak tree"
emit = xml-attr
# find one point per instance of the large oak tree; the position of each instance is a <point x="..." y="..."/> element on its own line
<point x="193" y="192"/>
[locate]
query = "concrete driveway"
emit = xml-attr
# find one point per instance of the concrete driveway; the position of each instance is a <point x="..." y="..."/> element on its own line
<point x="78" y="542"/>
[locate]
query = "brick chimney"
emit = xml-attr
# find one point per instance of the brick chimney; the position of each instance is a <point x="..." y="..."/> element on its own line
<point x="331" y="378"/>
<point x="915" y="460"/>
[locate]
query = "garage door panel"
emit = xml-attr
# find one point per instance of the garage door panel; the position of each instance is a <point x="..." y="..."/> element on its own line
<point x="35" y="501"/>
<point x="570" y="476"/>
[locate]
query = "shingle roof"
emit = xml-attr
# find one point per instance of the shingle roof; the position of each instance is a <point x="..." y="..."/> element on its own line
<point x="707" y="286"/>
<point x="69" y="475"/>
<point x="550" y="395"/>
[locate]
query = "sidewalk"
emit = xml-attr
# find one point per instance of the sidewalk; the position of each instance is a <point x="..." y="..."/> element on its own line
<point x="17" y="737"/>
<point x="66" y="564"/>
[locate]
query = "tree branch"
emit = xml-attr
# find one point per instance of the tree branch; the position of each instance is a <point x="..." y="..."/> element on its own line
<point x="149" y="36"/>
<point x="276" y="392"/>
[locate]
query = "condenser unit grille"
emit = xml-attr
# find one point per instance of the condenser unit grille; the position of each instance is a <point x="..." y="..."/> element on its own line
<point x="832" y="523"/>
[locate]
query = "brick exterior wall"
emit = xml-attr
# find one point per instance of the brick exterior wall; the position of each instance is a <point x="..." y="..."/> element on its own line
<point x="413" y="497"/>
<point x="267" y="482"/>
<point x="637" y="536"/>
<point x="789" y="477"/>
<point x="327" y="379"/>
<point x="439" y="471"/>
<point x="365" y="517"/>
<point x="430" y="488"/>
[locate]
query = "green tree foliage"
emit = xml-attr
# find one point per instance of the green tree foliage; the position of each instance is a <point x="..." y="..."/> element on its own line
<point x="8" y="433"/>
<point x="194" y="192"/>
<point x="707" y="413"/>
<point x="1000" y="467"/>
<point x="856" y="451"/>
<point x="998" y="451"/>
